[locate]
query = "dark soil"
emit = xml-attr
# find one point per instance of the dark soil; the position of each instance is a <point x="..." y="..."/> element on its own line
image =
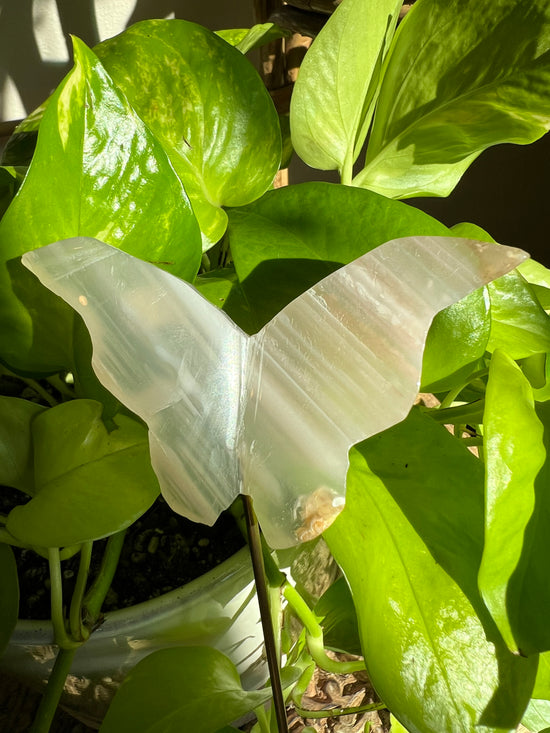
<point x="161" y="552"/>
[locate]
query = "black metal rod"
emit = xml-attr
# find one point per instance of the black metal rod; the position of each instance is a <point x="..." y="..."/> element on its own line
<point x="255" y="545"/>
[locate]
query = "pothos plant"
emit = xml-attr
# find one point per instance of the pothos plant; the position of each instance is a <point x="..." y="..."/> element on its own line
<point x="163" y="142"/>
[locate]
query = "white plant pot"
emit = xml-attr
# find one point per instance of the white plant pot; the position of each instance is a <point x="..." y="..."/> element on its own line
<point x="218" y="609"/>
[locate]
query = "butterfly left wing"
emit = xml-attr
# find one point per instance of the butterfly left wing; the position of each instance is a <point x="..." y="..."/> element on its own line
<point x="343" y="362"/>
<point x="166" y="353"/>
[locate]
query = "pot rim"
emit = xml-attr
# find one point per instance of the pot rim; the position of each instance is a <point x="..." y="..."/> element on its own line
<point x="232" y="566"/>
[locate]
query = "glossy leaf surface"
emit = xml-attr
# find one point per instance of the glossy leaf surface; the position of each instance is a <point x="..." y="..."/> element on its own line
<point x="9" y="595"/>
<point x="512" y="576"/>
<point x="182" y="688"/>
<point x="461" y="76"/>
<point x="519" y="325"/>
<point x="417" y="495"/>
<point x="337" y="80"/>
<point x="89" y="483"/>
<point x="16" y="452"/>
<point x="98" y="171"/>
<point x="207" y="105"/>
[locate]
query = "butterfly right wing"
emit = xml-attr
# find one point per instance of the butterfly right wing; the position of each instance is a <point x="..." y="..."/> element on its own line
<point x="166" y="353"/>
<point x="343" y="362"/>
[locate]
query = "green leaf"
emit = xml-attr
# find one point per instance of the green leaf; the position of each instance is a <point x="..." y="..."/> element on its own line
<point x="461" y="76"/>
<point x="542" y="682"/>
<point x="10" y="181"/>
<point x="339" y="618"/>
<point x="519" y="325"/>
<point x="222" y="288"/>
<point x="294" y="236"/>
<point x="461" y="332"/>
<point x="16" y="451"/>
<point x="338" y="76"/>
<point x="183" y="688"/>
<point x="472" y="231"/>
<point x="538" y="278"/>
<point x="537" y="716"/>
<point x="9" y="595"/>
<point x="396" y="726"/>
<point x="97" y="171"/>
<point x="90" y="483"/>
<point x="207" y="105"/>
<point x="512" y="573"/>
<point x="245" y="39"/>
<point x="433" y="654"/>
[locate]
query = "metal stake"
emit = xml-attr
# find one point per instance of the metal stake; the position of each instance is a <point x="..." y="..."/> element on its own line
<point x="254" y="543"/>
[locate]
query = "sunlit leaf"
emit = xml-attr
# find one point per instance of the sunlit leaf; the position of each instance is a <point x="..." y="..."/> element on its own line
<point x="519" y="325"/>
<point x="329" y="110"/>
<point x="416" y="495"/>
<point x="207" y="105"/>
<point x="537" y="716"/>
<point x="461" y="76"/>
<point x="90" y="483"/>
<point x="513" y="570"/>
<point x="98" y="171"/>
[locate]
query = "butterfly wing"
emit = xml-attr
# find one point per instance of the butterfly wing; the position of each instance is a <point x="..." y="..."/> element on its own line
<point x="341" y="363"/>
<point x="166" y="353"/>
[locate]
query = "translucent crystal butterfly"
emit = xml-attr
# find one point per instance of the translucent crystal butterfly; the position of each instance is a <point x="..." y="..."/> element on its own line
<point x="274" y="414"/>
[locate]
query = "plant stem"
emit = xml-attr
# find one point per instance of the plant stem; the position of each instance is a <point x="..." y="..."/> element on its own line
<point x="263" y="722"/>
<point x="100" y="587"/>
<point x="39" y="389"/>
<point x="50" y="700"/>
<point x="314" y="635"/>
<point x="337" y="712"/>
<point x="346" y="175"/>
<point x="79" y="631"/>
<point x="61" y="637"/>
<point x="255" y="545"/>
<point x="451" y="396"/>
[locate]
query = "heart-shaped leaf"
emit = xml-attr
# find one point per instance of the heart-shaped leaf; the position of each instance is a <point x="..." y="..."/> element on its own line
<point x="183" y="688"/>
<point x="207" y="104"/>
<point x="89" y="483"/>
<point x="99" y="171"/>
